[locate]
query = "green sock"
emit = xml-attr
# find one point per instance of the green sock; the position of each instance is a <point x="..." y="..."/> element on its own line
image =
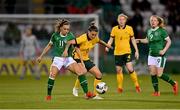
<point x="155" y="82"/>
<point x="50" y="85"/>
<point x="166" y="78"/>
<point x="83" y="82"/>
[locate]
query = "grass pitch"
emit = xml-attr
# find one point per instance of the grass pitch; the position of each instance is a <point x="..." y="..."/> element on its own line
<point x="30" y="94"/>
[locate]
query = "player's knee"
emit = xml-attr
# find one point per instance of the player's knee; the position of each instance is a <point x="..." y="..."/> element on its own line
<point x="52" y="75"/>
<point x="119" y="70"/>
<point x="131" y="71"/>
<point x="78" y="71"/>
<point x="99" y="76"/>
<point x="159" y="74"/>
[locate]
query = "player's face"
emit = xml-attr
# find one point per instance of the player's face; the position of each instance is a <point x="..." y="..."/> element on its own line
<point x="65" y="29"/>
<point x="122" y="21"/>
<point x="28" y="31"/>
<point x="92" y="34"/>
<point x="154" y="22"/>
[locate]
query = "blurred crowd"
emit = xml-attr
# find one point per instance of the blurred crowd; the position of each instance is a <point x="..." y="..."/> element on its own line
<point x="137" y="11"/>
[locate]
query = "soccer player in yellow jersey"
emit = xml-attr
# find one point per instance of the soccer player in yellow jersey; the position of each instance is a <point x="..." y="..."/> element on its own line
<point x="122" y="34"/>
<point x="85" y="43"/>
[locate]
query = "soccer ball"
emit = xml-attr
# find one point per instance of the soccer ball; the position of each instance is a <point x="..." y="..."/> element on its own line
<point x="101" y="88"/>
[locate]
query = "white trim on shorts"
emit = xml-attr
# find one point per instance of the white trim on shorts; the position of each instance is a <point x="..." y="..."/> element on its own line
<point x="62" y="61"/>
<point x="157" y="61"/>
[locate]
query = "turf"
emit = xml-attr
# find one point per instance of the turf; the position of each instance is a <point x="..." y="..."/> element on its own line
<point x="30" y="93"/>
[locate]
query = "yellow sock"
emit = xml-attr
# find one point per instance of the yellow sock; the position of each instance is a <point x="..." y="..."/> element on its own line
<point x="134" y="78"/>
<point x="96" y="81"/>
<point x="120" y="80"/>
<point x="77" y="84"/>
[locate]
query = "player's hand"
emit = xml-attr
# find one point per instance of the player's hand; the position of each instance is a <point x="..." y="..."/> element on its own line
<point x="138" y="40"/>
<point x="162" y="52"/>
<point x="65" y="53"/>
<point x="107" y="49"/>
<point x="137" y="55"/>
<point x="82" y="63"/>
<point x="39" y="59"/>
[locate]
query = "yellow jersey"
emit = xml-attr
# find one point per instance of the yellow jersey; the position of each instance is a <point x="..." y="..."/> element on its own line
<point x="85" y="45"/>
<point x="122" y="38"/>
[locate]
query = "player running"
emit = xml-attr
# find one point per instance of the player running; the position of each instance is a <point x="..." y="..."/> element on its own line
<point x="159" y="42"/>
<point x="122" y="34"/>
<point x="85" y="43"/>
<point x="58" y="42"/>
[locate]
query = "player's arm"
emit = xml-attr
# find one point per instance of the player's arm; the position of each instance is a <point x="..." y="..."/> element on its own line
<point x="80" y="55"/>
<point x="71" y="42"/>
<point x="105" y="44"/>
<point x="109" y="43"/>
<point x="168" y="44"/>
<point x="144" y="41"/>
<point x="21" y="48"/>
<point x="46" y="49"/>
<point x="135" y="47"/>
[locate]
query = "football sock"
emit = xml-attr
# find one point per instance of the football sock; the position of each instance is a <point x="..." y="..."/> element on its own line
<point x="96" y="81"/>
<point x="83" y="82"/>
<point x="120" y="80"/>
<point x="155" y="82"/>
<point x="77" y="83"/>
<point x="166" y="78"/>
<point x="50" y="85"/>
<point x="134" y="78"/>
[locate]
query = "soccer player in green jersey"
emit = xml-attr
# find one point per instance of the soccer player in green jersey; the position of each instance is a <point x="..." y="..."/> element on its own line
<point x="58" y="42"/>
<point x="159" y="42"/>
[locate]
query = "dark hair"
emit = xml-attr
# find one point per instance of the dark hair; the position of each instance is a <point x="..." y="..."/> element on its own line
<point x="60" y="23"/>
<point x="92" y="27"/>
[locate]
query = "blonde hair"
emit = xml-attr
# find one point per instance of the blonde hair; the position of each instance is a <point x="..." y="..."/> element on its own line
<point x="122" y="14"/>
<point x="160" y="20"/>
<point x="60" y="23"/>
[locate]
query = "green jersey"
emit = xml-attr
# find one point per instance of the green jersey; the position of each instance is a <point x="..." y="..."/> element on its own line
<point x="59" y="43"/>
<point x="157" y="40"/>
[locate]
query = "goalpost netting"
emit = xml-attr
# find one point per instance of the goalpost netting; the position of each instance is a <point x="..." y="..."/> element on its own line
<point x="79" y="25"/>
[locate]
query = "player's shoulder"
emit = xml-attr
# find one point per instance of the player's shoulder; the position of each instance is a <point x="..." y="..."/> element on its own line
<point x="70" y="34"/>
<point x="54" y="34"/>
<point x="83" y="35"/>
<point x="128" y="27"/>
<point x="115" y="27"/>
<point x="162" y="29"/>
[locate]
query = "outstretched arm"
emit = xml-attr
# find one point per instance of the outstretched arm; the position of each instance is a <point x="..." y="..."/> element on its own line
<point x="80" y="56"/>
<point x="144" y="41"/>
<point x="105" y="44"/>
<point x="65" y="53"/>
<point x="46" y="49"/>
<point x="109" y="43"/>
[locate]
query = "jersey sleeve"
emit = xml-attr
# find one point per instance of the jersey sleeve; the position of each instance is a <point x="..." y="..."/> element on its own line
<point x="97" y="39"/>
<point x="131" y="32"/>
<point x="71" y="36"/>
<point x="164" y="33"/>
<point x="81" y="39"/>
<point x="52" y="39"/>
<point x="112" y="32"/>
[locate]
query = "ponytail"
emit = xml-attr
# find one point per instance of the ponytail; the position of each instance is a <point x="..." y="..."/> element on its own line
<point x="92" y="27"/>
<point x="60" y="23"/>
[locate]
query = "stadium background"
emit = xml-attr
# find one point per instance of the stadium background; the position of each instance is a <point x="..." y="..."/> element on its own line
<point x="138" y="11"/>
<point x="30" y="93"/>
